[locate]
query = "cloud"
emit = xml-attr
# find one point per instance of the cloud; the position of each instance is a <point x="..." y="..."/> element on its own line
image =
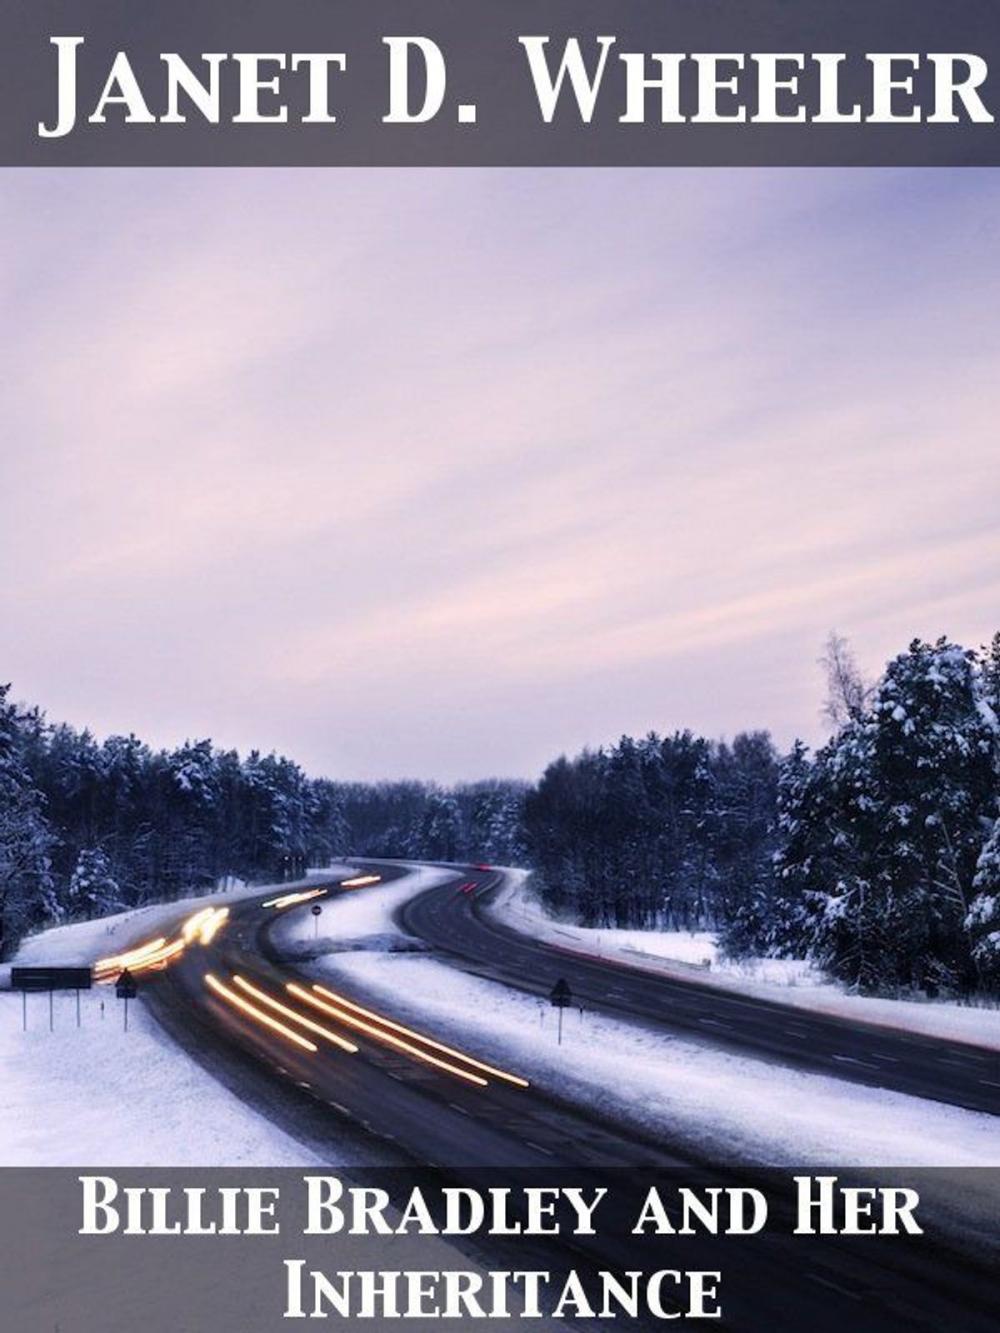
<point x="442" y="472"/>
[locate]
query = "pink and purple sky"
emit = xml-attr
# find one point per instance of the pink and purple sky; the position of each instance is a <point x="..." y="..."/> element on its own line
<point x="443" y="473"/>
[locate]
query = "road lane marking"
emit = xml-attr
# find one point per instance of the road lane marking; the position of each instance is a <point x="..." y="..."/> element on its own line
<point x="853" y="1060"/>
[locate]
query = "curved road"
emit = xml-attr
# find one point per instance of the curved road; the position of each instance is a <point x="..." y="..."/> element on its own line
<point x="461" y="925"/>
<point x="380" y="1102"/>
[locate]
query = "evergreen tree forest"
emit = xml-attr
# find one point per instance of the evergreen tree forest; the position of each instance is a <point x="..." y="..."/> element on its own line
<point x="89" y="827"/>
<point x="877" y="856"/>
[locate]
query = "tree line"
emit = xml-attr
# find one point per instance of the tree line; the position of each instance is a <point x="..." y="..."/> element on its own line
<point x="878" y="856"/>
<point x="88" y="827"/>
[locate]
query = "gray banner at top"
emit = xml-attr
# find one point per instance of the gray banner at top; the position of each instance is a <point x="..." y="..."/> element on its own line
<point x="307" y="82"/>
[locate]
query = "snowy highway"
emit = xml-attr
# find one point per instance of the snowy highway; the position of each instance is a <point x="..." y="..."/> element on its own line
<point x="392" y="1083"/>
<point x="317" y="1059"/>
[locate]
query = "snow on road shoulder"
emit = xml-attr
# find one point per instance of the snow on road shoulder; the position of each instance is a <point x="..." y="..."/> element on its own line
<point x="119" y="1098"/>
<point x="732" y="1107"/>
<point x="357" y="918"/>
<point x="694" y="956"/>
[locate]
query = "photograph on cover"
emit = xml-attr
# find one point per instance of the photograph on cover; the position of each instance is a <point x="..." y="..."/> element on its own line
<point x="501" y="680"/>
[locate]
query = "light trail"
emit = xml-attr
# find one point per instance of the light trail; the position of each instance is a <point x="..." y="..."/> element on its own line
<point x="132" y="955"/>
<point x="295" y="1016"/>
<point x="515" y="1079"/>
<point x="290" y="899"/>
<point x="381" y="1035"/>
<point x="152" y="955"/>
<point x="192" y="926"/>
<point x="214" y="984"/>
<point x="203" y="926"/>
<point x="359" y="881"/>
<point x="160" y="958"/>
<point x="211" y="927"/>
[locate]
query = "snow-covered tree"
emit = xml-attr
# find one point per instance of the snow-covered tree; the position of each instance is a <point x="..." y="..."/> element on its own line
<point x="492" y="813"/>
<point x="93" y="890"/>
<point x="441" y="829"/>
<point x="675" y="831"/>
<point x="25" y="839"/>
<point x="983" y="919"/>
<point x="990" y="658"/>
<point x="883" y="836"/>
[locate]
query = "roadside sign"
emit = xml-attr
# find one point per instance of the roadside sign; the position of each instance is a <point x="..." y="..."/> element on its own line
<point x="562" y="997"/>
<point x="34" y="979"/>
<point x="126" y="989"/>
<point x="316" y="909"/>
<point x="50" y="978"/>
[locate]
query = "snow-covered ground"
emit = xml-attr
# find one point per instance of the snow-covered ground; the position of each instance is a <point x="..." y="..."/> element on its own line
<point x="115" y="1098"/>
<point x="789" y="981"/>
<point x="102" y="1096"/>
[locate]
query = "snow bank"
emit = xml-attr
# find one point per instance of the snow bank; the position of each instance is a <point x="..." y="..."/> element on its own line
<point x="730" y="1107"/>
<point x="786" y="980"/>
<point x="357" y="919"/>
<point x="82" y="942"/>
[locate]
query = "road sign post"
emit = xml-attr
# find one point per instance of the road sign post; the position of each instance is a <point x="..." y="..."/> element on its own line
<point x="126" y="989"/>
<point x="561" y="997"/>
<point x="317" y="911"/>
<point x="49" y="979"/>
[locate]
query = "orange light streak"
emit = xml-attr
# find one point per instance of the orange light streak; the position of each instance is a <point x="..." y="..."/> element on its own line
<point x="295" y="1016"/>
<point x="246" y="1007"/>
<point x="381" y="1035"/>
<point x="419" y="1036"/>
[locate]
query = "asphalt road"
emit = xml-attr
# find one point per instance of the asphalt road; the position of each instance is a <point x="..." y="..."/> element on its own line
<point x="381" y="1104"/>
<point x="459" y="925"/>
